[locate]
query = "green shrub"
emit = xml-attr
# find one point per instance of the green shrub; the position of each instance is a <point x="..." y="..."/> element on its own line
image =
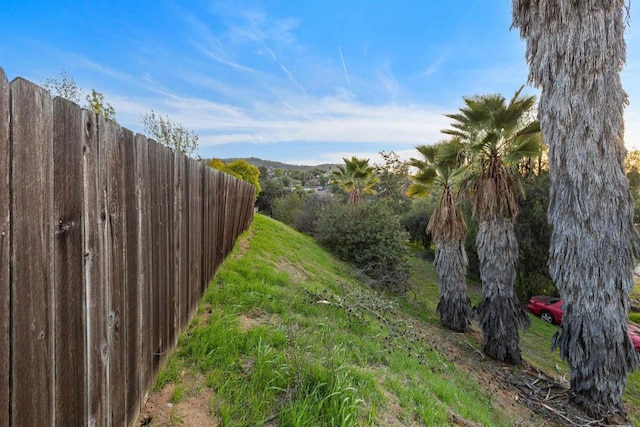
<point x="415" y="222"/>
<point x="312" y="209"/>
<point x="534" y="236"/>
<point x="371" y="238"/>
<point x="272" y="189"/>
<point x="286" y="209"/>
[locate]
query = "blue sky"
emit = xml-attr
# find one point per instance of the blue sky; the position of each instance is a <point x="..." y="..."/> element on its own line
<point x="298" y="81"/>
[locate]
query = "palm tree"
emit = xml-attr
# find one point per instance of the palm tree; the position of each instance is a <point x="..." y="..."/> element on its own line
<point x="575" y="52"/>
<point x="497" y="135"/>
<point x="447" y="225"/>
<point x="355" y="177"/>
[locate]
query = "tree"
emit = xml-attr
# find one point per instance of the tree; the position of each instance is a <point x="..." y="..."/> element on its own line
<point x="415" y="222"/>
<point x="575" y="52"/>
<point x="369" y="236"/>
<point x="355" y="177"/>
<point x="497" y="135"/>
<point x="240" y="169"/>
<point x="170" y="133"/>
<point x="393" y="181"/>
<point x="64" y="86"/>
<point x="437" y="174"/>
<point x="533" y="233"/>
<point x="632" y="170"/>
<point x="97" y="104"/>
<point x="271" y="190"/>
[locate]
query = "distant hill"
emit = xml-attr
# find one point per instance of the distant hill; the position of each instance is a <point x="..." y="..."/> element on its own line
<point x="271" y="164"/>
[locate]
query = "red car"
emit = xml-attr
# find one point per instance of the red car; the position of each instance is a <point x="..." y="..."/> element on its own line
<point x="550" y="310"/>
<point x="547" y="308"/>
<point x="634" y="334"/>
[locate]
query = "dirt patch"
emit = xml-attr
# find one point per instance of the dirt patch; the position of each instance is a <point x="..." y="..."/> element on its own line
<point x="244" y="244"/>
<point x="464" y="350"/>
<point x="528" y="395"/>
<point x="251" y="320"/>
<point x="193" y="409"/>
<point x="297" y="274"/>
<point x="245" y="323"/>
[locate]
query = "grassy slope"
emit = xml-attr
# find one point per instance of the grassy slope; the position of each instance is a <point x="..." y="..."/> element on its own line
<point x="286" y="334"/>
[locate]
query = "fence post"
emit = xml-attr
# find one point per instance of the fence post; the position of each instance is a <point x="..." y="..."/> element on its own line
<point x="5" y="239"/>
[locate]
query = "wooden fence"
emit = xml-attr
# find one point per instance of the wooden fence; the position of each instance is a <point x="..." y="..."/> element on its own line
<point x="107" y="242"/>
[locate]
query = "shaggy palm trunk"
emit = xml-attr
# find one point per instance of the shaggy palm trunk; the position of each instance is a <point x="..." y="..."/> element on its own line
<point x="354" y="196"/>
<point x="499" y="313"/>
<point x="454" y="306"/>
<point x="576" y="51"/>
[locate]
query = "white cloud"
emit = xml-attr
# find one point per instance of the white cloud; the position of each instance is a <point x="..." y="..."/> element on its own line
<point x="302" y="119"/>
<point x="432" y="68"/>
<point x="388" y="81"/>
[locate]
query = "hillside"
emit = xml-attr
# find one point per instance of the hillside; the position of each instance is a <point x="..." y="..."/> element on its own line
<point x="287" y="336"/>
<point x="271" y="164"/>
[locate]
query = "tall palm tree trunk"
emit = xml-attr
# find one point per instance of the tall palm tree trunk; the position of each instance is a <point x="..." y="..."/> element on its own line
<point x="499" y="313"/>
<point x="576" y="51"/>
<point x="454" y="307"/>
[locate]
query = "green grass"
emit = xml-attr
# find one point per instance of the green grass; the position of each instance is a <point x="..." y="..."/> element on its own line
<point x="286" y="333"/>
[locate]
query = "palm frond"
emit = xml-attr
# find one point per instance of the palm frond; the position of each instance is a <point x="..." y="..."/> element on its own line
<point x="528" y="147"/>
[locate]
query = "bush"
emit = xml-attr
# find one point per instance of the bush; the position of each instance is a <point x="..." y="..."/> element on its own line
<point x="534" y="237"/>
<point x="371" y="238"/>
<point x="272" y="189"/>
<point x="415" y="222"/>
<point x="286" y="209"/>
<point x="473" y="269"/>
<point x="312" y="209"/>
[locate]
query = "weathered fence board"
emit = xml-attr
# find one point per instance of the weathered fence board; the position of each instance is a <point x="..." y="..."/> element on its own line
<point x="132" y="290"/>
<point x="206" y="226"/>
<point x="143" y="201"/>
<point x="68" y="281"/>
<point x="156" y="247"/>
<point x="111" y="176"/>
<point x="170" y="257"/>
<point x="195" y="232"/>
<point x="5" y="238"/>
<point x="94" y="224"/>
<point x="107" y="242"/>
<point x="32" y="354"/>
<point x="180" y="240"/>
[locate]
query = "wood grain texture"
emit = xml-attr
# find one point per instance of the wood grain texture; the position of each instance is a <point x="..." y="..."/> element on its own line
<point x="155" y="243"/>
<point x="32" y="302"/>
<point x="107" y="241"/>
<point x="95" y="230"/>
<point x="132" y="290"/>
<point x="206" y="226"/>
<point x="68" y="280"/>
<point x="143" y="204"/>
<point x="171" y="285"/>
<point x="180" y="240"/>
<point x="5" y="239"/>
<point x="195" y="231"/>
<point x="117" y="289"/>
